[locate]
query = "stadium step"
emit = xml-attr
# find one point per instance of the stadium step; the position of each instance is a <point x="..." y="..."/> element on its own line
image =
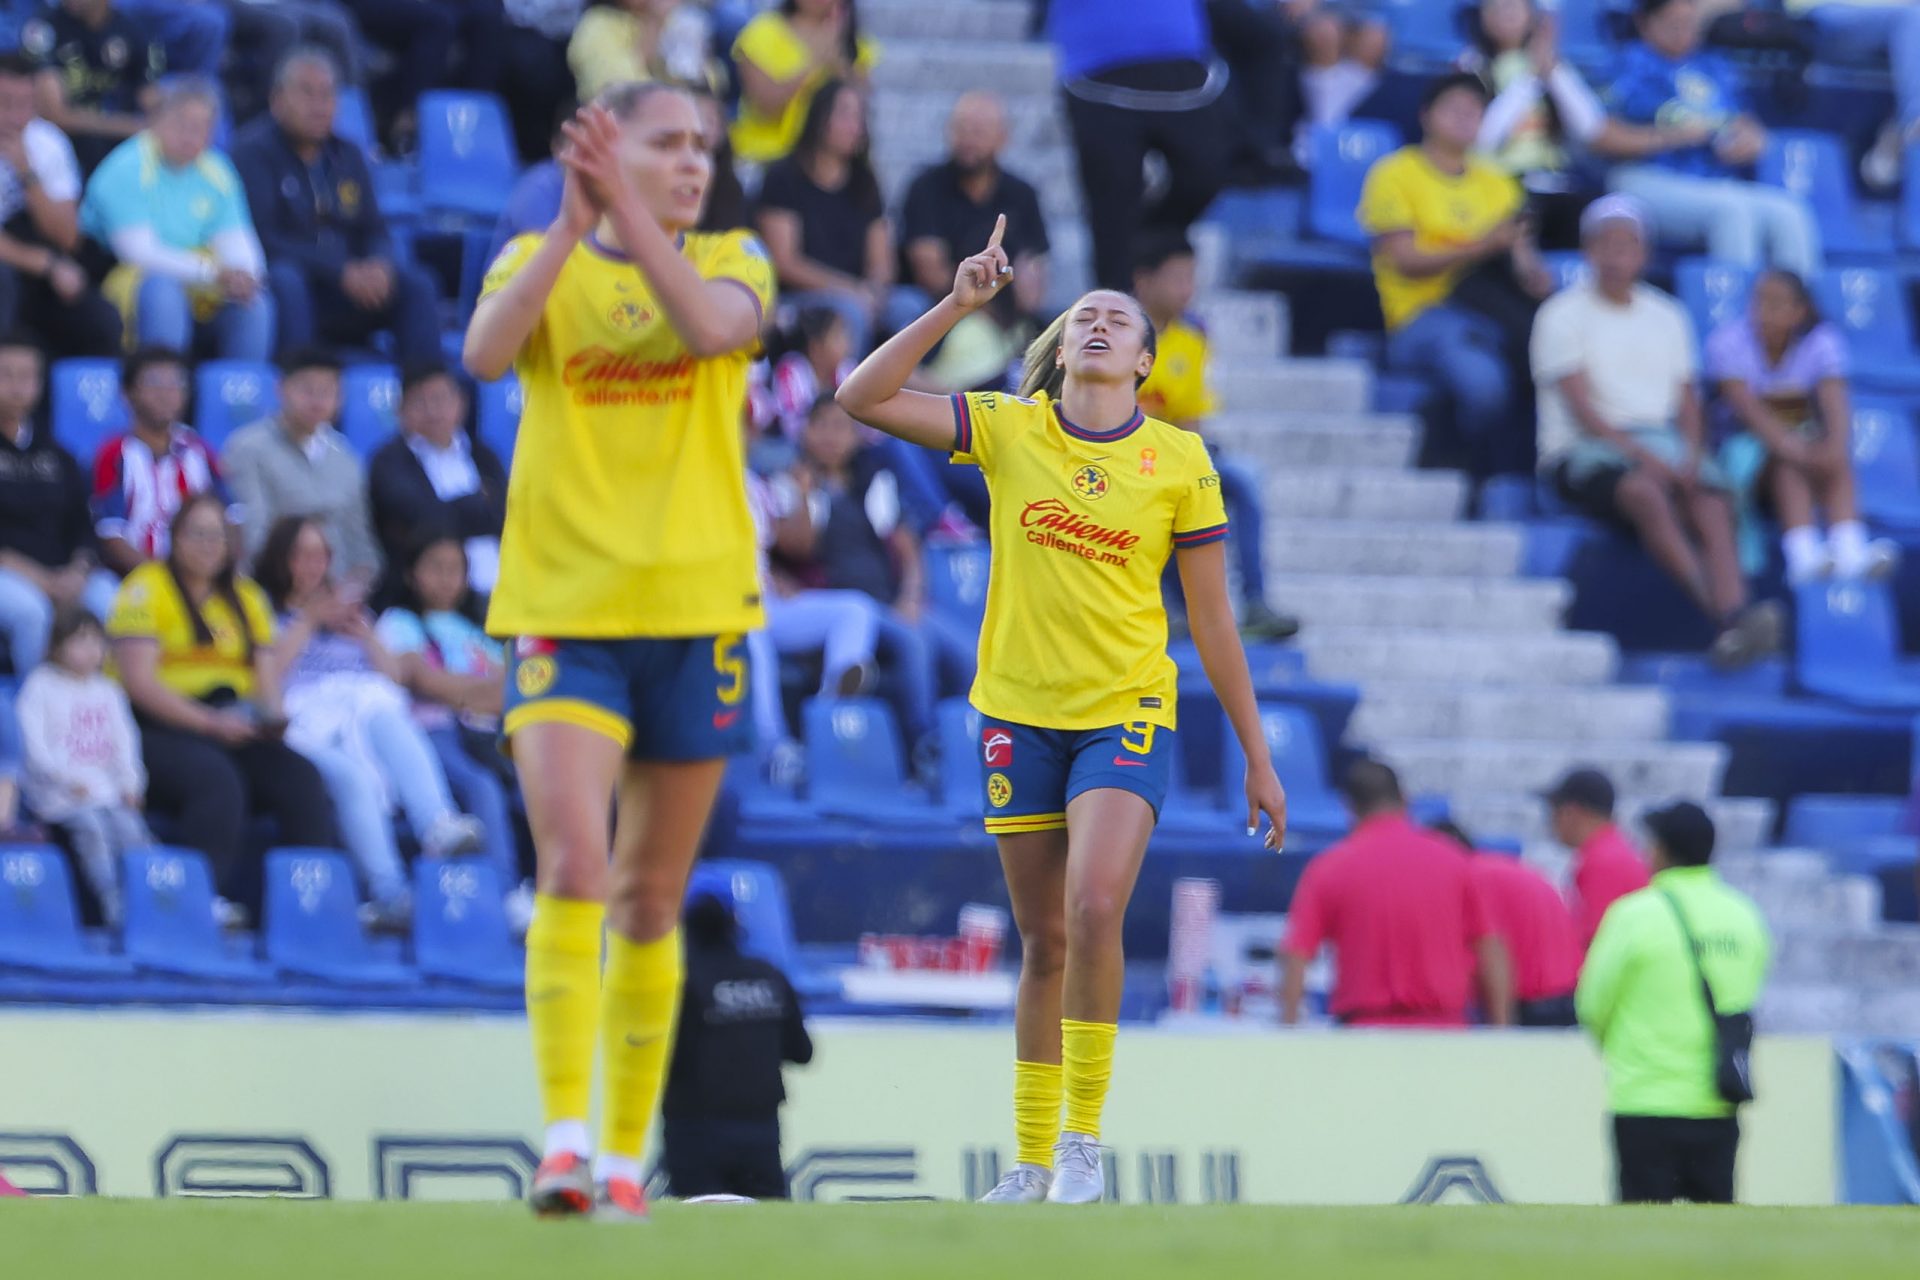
<point x="1002" y="21"/>
<point x="1390" y="710"/>
<point x="1440" y="766"/>
<point x="1243" y="325"/>
<point x="1274" y="440"/>
<point x="1743" y="822"/>
<point x="1459" y="658"/>
<point x="1886" y="958"/>
<point x="958" y="65"/>
<point x="1365" y="493"/>
<point x="1301" y="385"/>
<point x="1397" y="550"/>
<point x="1800" y="1008"/>
<point x="1477" y="604"/>
<point x="1821" y="901"/>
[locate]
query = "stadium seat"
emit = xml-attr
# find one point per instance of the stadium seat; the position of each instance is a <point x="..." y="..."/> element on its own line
<point x="499" y="415"/>
<point x="467" y="163"/>
<point x="1569" y="267"/>
<point x="87" y="407"/>
<point x="1850" y="647"/>
<point x="1820" y="822"/>
<point x="1886" y="463"/>
<point x="1313" y="808"/>
<point x="957" y="582"/>
<point x="1191" y="809"/>
<point x="1587" y="36"/>
<point x="460" y="930"/>
<point x="313" y="924"/>
<point x="369" y="406"/>
<point x="1814" y="167"/>
<point x="1431" y="30"/>
<point x="960" y="758"/>
<point x="758" y="896"/>
<point x="232" y="393"/>
<point x="1870" y="308"/>
<point x="39" y="927"/>
<point x="353" y="118"/>
<point x="170" y="926"/>
<point x="856" y="764"/>
<point x="396" y="185"/>
<point x="1340" y="160"/>
<point x="1712" y="292"/>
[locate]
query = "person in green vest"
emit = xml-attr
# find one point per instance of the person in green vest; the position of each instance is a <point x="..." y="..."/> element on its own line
<point x="1675" y="1134"/>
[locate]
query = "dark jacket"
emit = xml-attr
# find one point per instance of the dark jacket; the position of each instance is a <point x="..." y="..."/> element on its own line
<point x="404" y="503"/>
<point x="44" y="514"/>
<point x="323" y="217"/>
<point x="739" y="1021"/>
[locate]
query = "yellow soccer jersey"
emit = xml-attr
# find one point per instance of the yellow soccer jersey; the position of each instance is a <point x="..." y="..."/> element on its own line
<point x="627" y="508"/>
<point x="1083" y="522"/>
<point x="1404" y="192"/>
<point x="1178" y="390"/>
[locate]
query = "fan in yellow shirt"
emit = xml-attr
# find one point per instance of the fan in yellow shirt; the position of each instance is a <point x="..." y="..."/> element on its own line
<point x="1090" y="499"/>
<point x="784" y="56"/>
<point x="627" y="575"/>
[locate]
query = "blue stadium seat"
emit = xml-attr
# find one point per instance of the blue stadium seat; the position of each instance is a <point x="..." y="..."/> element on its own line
<point x="39" y="927"/>
<point x="232" y="393"/>
<point x="1586" y="35"/>
<point x="1262" y="223"/>
<point x="1814" y="167"/>
<point x="369" y="406"/>
<point x="1819" y="822"/>
<point x="1431" y="30"/>
<point x="499" y="415"/>
<point x="460" y="930"/>
<point x="1340" y="160"/>
<point x="758" y="896"/>
<point x="1712" y="292"/>
<point x="1870" y="307"/>
<point x="855" y="763"/>
<point x="396" y="185"/>
<point x="87" y="407"/>
<point x="1569" y="267"/>
<point x="1850" y="647"/>
<point x="1190" y="808"/>
<point x="957" y="582"/>
<point x="1313" y="807"/>
<point x="313" y="924"/>
<point x="960" y="758"/>
<point x="1886" y="463"/>
<point x="353" y="118"/>
<point x="170" y="927"/>
<point x="467" y="163"/>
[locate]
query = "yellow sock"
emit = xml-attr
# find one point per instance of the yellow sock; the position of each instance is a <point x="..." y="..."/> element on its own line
<point x="1086" y="1051"/>
<point x="1036" y="1111"/>
<point x="638" y="1004"/>
<point x="563" y="995"/>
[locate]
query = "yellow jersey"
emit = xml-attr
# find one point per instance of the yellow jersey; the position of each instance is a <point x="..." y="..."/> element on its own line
<point x="1404" y="192"/>
<point x="627" y="504"/>
<point x="1083" y="521"/>
<point x="149" y="606"/>
<point x="1179" y="390"/>
<point x="770" y="43"/>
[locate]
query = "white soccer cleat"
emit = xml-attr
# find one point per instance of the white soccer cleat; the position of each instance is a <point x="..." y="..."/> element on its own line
<point x="1077" y="1175"/>
<point x="1023" y="1184"/>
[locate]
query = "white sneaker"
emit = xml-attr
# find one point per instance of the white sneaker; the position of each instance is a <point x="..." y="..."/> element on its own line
<point x="1077" y="1175"/>
<point x="1883" y="557"/>
<point x="1023" y="1184"/>
<point x="453" y="835"/>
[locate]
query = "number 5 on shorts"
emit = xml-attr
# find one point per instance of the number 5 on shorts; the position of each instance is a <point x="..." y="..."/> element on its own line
<point x="1138" y="737"/>
<point x="731" y="667"/>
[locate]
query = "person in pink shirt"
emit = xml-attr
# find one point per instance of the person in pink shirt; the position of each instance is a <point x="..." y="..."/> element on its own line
<point x="1606" y="865"/>
<point x="1532" y="919"/>
<point x="1409" y="930"/>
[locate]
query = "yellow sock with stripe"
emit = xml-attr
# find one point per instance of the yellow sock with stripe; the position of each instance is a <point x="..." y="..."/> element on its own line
<point x="1086" y="1052"/>
<point x="563" y="1002"/>
<point x="1036" y="1111"/>
<point x="638" y="1004"/>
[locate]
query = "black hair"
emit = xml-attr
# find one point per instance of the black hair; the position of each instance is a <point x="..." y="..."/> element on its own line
<point x="16" y="338"/>
<point x="1158" y="248"/>
<point x="821" y="403"/>
<point x="1453" y="831"/>
<point x="1446" y="84"/>
<point x="141" y="359"/>
<point x="1643" y="9"/>
<point x="710" y="923"/>
<point x="223" y="581"/>
<point x="406" y="596"/>
<point x="1371" y="787"/>
<point x="421" y="372"/>
<point x="301" y="359"/>
<point x="273" y="567"/>
<point x="18" y="65"/>
<point x="1779" y="275"/>
<point x="851" y="45"/>
<point x="863" y="188"/>
<point x="70" y="622"/>
<point x="1483" y="43"/>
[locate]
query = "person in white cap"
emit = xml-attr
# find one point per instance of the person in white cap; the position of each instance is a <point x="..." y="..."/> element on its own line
<point x="1622" y="435"/>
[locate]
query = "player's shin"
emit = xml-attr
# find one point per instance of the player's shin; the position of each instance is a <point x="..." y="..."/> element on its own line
<point x="640" y="1000"/>
<point x="563" y="997"/>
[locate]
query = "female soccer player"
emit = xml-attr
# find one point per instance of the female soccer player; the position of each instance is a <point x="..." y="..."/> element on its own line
<point x="1075" y="686"/>
<point x="627" y="579"/>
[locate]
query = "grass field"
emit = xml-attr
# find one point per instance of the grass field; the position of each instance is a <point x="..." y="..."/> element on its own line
<point x="213" y="1240"/>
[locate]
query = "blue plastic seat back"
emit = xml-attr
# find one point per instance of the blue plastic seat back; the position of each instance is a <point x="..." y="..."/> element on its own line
<point x="854" y="755"/>
<point x="459" y="920"/>
<point x="353" y="117"/>
<point x="499" y="415"/>
<point x="1340" y="160"/>
<point x="87" y="406"/>
<point x="1569" y="268"/>
<point x="1814" y="167"/>
<point x="1870" y="307"/>
<point x="758" y="895"/>
<point x="1886" y="458"/>
<point x="169" y="902"/>
<point x="960" y="729"/>
<point x="467" y="159"/>
<point x="957" y="582"/>
<point x="1819" y="822"/>
<point x="38" y="919"/>
<point x="312" y="910"/>
<point x="232" y="393"/>
<point x="1424" y="27"/>
<point x="1846" y="630"/>
<point x="1293" y="737"/>
<point x="1712" y="292"/>
<point x="369" y="406"/>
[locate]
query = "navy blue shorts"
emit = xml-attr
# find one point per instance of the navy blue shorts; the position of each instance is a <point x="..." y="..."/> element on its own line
<point x="660" y="699"/>
<point x="1028" y="776"/>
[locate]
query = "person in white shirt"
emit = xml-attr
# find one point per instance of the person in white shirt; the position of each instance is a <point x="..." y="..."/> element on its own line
<point x="1622" y="436"/>
<point x="434" y="477"/>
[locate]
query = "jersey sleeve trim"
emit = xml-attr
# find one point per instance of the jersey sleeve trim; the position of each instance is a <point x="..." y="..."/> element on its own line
<point x="759" y="307"/>
<point x="1200" y="537"/>
<point x="962" y="425"/>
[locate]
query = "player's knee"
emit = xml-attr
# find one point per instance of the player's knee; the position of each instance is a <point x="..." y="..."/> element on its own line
<point x="1094" y="914"/>
<point x="572" y="870"/>
<point x="1043" y="951"/>
<point x="643" y="905"/>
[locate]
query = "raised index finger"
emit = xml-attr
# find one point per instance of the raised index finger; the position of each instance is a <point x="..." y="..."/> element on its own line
<point x="999" y="229"/>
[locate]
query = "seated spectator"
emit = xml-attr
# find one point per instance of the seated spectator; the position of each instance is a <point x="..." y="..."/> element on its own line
<point x="824" y="225"/>
<point x="1534" y="924"/>
<point x="1622" y="436"/>
<point x="537" y="84"/>
<point x="1606" y="865"/>
<point x="1259" y="41"/>
<point x="1180" y="391"/>
<point x="142" y="479"/>
<point x="784" y="57"/>
<point x="193" y="643"/>
<point x="434" y="476"/>
<point x="347" y="713"/>
<point x="1454" y="262"/>
<point x="726" y="208"/>
<point x="330" y="256"/>
<point x="1854" y="33"/>
<point x="621" y="40"/>
<point x="821" y="356"/>
<point x="1409" y="930"/>
<point x="296" y="464"/>
<point x="951" y="208"/>
<point x="1342" y="56"/>
<point x="418" y="38"/>
<point x="41" y="286"/>
<point x="99" y="72"/>
<point x="1781" y="374"/>
<point x="83" y="770"/>
<point x="46" y="529"/>
<point x="174" y="213"/>
<point x="1702" y="190"/>
<point x="264" y="34"/>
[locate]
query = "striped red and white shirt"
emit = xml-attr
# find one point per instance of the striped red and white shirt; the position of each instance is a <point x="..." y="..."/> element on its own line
<point x="136" y="495"/>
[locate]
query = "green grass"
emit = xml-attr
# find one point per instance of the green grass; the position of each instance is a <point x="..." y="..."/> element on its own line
<point x="211" y="1240"/>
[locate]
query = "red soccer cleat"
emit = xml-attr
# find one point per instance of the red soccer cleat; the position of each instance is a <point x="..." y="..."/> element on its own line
<point x="620" y="1200"/>
<point x="562" y="1187"/>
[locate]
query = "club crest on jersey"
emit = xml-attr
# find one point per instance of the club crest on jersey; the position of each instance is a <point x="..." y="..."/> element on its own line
<point x="1090" y="483"/>
<point x="999" y="790"/>
<point x="996" y="748"/>
<point x="1148" y="461"/>
<point x="628" y="316"/>
<point x="534" y="676"/>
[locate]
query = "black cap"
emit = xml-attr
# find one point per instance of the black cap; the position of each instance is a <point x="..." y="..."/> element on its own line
<point x="1588" y="788"/>
<point x="1684" y="833"/>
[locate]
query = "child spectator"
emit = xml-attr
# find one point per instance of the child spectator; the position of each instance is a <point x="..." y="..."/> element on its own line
<point x="83" y="770"/>
<point x="821" y="357"/>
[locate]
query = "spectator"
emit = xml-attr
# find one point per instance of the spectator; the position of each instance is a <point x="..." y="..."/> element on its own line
<point x="46" y="530"/>
<point x="99" y="72"/>
<point x="1621" y="431"/>
<point x="194" y="33"/>
<point x="1259" y="42"/>
<point x="347" y="713"/>
<point x="822" y="356"/>
<point x="142" y="479"/>
<point x="824" y="225"/>
<point x="1180" y="391"/>
<point x="193" y="642"/>
<point x="330" y="256"/>
<point x="1668" y="959"/>
<point x="1343" y="55"/>
<point x="1866" y="33"/>
<point x="534" y="202"/>
<point x="264" y="34"/>
<point x="1407" y="924"/>
<point x="784" y="57"/>
<point x="538" y="87"/>
<point x="739" y="1023"/>
<point x="1701" y="190"/>
<point x="951" y="208"/>
<point x="84" y="775"/>
<point x="1781" y="373"/>
<point x="621" y="40"/>
<point x="296" y="464"/>
<point x="726" y="208"/>
<point x="418" y="38"/>
<point x="433" y="476"/>
<point x="1533" y="922"/>
<point x="41" y="285"/>
<point x="174" y="213"/>
<point x="1606" y="866"/>
<point x="1450" y="253"/>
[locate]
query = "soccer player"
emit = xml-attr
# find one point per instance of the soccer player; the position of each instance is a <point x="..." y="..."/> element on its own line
<point x="1076" y="691"/>
<point x="627" y="578"/>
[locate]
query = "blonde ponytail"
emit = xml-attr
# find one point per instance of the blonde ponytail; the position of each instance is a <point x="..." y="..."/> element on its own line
<point x="1042" y="370"/>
